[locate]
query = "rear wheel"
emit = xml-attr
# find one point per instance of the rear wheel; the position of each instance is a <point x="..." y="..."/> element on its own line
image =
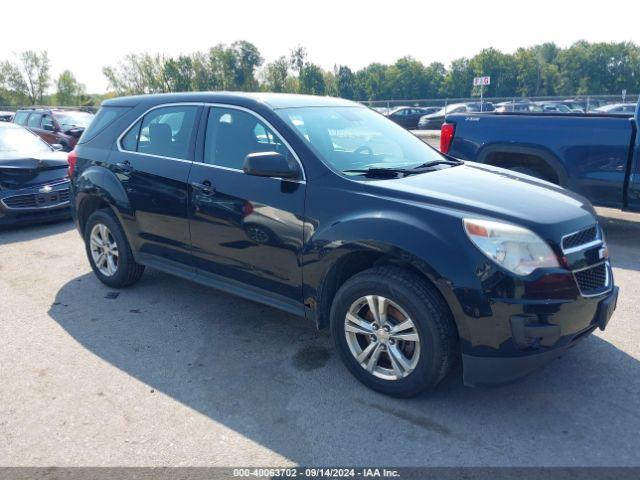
<point x="393" y="331"/>
<point x="109" y="252"/>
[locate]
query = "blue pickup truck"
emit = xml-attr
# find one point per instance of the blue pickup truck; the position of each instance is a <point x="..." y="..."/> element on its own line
<point x="595" y="155"/>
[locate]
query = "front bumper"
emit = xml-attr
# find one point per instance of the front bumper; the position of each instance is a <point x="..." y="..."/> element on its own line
<point x="561" y="331"/>
<point x="32" y="205"/>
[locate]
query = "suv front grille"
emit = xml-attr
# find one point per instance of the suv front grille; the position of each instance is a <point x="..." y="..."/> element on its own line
<point x="580" y="238"/>
<point x="37" y="200"/>
<point x="593" y="279"/>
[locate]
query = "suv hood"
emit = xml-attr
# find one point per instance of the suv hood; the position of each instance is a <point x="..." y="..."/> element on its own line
<point x="479" y="190"/>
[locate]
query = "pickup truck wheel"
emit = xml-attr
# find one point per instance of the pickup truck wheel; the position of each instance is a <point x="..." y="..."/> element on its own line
<point x="393" y="331"/>
<point x="109" y="252"/>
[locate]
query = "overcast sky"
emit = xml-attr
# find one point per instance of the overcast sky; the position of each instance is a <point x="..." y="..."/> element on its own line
<point x="84" y="36"/>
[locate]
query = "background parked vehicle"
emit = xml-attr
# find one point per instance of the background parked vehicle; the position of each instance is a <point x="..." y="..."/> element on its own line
<point x="555" y="107"/>
<point x="617" y="108"/>
<point x="6" y="116"/>
<point x="54" y="125"/>
<point x="433" y="121"/>
<point x="517" y="106"/>
<point x="407" y="117"/>
<point x="597" y="156"/>
<point x="34" y="185"/>
<point x="343" y="217"/>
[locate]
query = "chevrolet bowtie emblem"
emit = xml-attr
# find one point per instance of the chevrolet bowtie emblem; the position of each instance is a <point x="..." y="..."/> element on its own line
<point x="46" y="189"/>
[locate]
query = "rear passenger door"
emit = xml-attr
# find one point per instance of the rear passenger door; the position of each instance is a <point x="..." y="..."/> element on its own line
<point x="246" y="228"/>
<point x="152" y="162"/>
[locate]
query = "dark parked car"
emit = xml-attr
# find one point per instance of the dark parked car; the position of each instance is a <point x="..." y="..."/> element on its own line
<point x="517" y="106"/>
<point x="555" y="107"/>
<point x="434" y="121"/>
<point x="407" y="117"/>
<point x="55" y="126"/>
<point x="327" y="210"/>
<point x="34" y="185"/>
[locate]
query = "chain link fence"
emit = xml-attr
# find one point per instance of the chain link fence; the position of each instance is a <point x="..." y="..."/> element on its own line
<point x="578" y="103"/>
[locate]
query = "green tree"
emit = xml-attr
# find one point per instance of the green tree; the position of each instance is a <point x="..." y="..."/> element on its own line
<point x="458" y="79"/>
<point x="275" y="75"/>
<point x="311" y="80"/>
<point x="179" y="74"/>
<point x="345" y="83"/>
<point x="68" y="90"/>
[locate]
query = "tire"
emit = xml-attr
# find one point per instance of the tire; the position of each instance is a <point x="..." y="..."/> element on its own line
<point x="127" y="271"/>
<point x="531" y="172"/>
<point x="432" y="322"/>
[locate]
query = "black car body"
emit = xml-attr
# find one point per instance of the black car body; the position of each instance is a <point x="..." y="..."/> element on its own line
<point x="407" y="117"/>
<point x="434" y="121"/>
<point x="280" y="199"/>
<point x="34" y="185"/>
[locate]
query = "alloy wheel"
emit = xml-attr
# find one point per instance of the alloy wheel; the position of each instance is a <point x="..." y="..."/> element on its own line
<point x="382" y="337"/>
<point x="104" y="250"/>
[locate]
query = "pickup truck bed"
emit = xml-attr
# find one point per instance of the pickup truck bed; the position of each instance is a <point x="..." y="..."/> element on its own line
<point x="594" y="155"/>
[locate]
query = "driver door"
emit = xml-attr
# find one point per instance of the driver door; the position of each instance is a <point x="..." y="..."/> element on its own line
<point x="244" y="228"/>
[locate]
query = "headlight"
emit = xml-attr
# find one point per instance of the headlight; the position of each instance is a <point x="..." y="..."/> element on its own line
<point x="515" y="248"/>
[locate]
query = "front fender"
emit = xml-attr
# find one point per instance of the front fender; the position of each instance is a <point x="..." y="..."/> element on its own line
<point x="433" y="248"/>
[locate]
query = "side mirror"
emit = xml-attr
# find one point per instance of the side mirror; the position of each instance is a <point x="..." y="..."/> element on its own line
<point x="57" y="147"/>
<point x="269" y="164"/>
<point x="48" y="127"/>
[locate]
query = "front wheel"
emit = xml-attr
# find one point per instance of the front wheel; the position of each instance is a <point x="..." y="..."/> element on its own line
<point x="393" y="331"/>
<point x="109" y="252"/>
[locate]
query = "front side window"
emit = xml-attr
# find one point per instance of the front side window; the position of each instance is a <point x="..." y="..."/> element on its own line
<point x="47" y="122"/>
<point x="348" y="138"/>
<point x="165" y="131"/>
<point x="233" y="134"/>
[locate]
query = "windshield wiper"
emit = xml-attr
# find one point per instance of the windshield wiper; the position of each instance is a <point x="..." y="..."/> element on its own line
<point x="439" y="162"/>
<point x="385" y="172"/>
<point x="392" y="172"/>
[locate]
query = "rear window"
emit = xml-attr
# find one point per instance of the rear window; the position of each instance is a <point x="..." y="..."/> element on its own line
<point x="104" y="118"/>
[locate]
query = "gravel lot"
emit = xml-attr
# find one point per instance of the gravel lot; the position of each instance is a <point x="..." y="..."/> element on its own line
<point x="172" y="373"/>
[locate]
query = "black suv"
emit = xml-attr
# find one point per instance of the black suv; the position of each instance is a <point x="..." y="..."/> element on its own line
<point x="327" y="210"/>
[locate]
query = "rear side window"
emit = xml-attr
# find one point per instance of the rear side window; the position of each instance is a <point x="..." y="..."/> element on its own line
<point x="105" y="117"/>
<point x="21" y="118"/>
<point x="165" y="131"/>
<point x="34" y="120"/>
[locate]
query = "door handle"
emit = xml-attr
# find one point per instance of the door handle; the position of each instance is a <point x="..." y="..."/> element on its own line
<point x="125" y="166"/>
<point x="205" y="187"/>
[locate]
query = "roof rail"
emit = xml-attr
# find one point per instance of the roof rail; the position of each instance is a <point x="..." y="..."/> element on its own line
<point x="52" y="107"/>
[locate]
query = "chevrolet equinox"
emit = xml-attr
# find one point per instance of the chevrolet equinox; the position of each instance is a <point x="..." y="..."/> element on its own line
<point x="327" y="210"/>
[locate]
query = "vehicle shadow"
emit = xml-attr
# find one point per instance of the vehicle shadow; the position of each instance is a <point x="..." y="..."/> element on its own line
<point x="276" y="380"/>
<point x="23" y="233"/>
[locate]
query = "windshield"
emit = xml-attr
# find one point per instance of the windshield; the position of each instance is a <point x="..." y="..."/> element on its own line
<point x="19" y="140"/>
<point x="348" y="138"/>
<point x="74" y="119"/>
